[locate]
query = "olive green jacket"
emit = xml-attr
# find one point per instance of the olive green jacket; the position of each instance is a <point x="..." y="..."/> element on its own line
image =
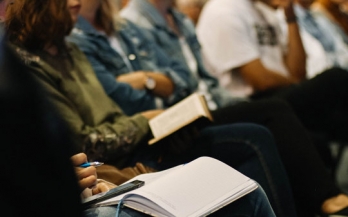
<point x="100" y="127"/>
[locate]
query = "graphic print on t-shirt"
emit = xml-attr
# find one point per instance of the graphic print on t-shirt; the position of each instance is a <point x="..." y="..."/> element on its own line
<point x="266" y="35"/>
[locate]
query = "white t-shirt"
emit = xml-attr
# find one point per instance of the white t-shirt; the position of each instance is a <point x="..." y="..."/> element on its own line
<point x="235" y="32"/>
<point x="318" y="60"/>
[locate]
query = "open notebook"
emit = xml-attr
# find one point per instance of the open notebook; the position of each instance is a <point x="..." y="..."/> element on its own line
<point x="194" y="189"/>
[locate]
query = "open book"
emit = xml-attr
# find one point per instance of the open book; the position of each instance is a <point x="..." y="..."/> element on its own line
<point x="194" y="189"/>
<point x="185" y="112"/>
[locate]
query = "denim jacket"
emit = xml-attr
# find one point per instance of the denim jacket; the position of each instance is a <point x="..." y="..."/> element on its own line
<point x="143" y="55"/>
<point x="142" y="13"/>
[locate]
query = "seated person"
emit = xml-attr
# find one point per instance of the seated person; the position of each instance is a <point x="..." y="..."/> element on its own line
<point x="335" y="11"/>
<point x="323" y="43"/>
<point x="142" y="13"/>
<point x="175" y="34"/>
<point x="272" y="67"/>
<point x="88" y="181"/>
<point x="130" y="67"/>
<point x="99" y="127"/>
<point x="263" y="66"/>
<point x="273" y="71"/>
<point x="39" y="177"/>
<point x="92" y="38"/>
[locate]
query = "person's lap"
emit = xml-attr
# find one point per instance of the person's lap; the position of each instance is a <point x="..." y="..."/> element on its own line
<point x="252" y="205"/>
<point x="321" y="103"/>
<point x="250" y="149"/>
<point x="294" y="145"/>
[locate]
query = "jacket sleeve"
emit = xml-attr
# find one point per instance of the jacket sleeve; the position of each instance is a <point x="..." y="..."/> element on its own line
<point x="167" y="65"/>
<point x="111" y="139"/>
<point x="129" y="99"/>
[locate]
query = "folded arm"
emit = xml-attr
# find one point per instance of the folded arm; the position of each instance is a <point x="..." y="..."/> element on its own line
<point x="164" y="85"/>
<point x="261" y="78"/>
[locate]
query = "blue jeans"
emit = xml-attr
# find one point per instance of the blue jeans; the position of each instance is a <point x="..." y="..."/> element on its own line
<point x="250" y="149"/>
<point x="253" y="204"/>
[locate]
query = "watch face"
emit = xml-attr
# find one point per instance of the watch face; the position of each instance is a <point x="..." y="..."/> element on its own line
<point x="150" y="83"/>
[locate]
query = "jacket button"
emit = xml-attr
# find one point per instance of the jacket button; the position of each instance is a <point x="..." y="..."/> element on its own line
<point x="132" y="57"/>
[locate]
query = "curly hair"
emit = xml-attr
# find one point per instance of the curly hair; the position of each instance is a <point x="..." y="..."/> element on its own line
<point x="35" y="24"/>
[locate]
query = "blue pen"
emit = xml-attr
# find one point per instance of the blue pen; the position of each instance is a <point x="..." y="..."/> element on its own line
<point x="89" y="164"/>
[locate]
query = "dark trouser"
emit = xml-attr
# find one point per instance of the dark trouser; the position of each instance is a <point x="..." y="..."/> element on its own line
<point x="309" y="179"/>
<point x="250" y="149"/>
<point x="321" y="103"/>
<point x="254" y="204"/>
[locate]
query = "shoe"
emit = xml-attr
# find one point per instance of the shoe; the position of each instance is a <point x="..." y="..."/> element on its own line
<point x="341" y="213"/>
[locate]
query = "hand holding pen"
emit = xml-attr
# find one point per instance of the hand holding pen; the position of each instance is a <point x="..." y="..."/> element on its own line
<point x="87" y="175"/>
<point x="90" y="164"/>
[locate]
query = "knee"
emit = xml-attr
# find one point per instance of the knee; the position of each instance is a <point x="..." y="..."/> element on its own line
<point x="258" y="135"/>
<point x="336" y="71"/>
<point x="237" y="132"/>
<point x="254" y="136"/>
<point x="337" y="75"/>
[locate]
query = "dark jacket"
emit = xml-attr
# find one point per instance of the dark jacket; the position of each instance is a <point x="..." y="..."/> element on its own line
<point x="37" y="177"/>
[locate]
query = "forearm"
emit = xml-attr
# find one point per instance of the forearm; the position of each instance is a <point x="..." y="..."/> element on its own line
<point x="272" y="80"/>
<point x="132" y="101"/>
<point x="164" y="86"/>
<point x="113" y="141"/>
<point x="261" y="78"/>
<point x="295" y="59"/>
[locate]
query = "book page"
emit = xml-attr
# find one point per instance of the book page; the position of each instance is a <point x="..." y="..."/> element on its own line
<point x="177" y="116"/>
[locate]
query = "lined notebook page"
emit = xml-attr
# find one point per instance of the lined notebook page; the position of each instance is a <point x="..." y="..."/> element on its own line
<point x="189" y="189"/>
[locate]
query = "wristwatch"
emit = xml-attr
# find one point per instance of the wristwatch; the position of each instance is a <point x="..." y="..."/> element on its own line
<point x="150" y="83"/>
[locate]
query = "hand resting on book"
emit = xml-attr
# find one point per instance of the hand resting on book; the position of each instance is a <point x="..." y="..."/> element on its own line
<point x="151" y="113"/>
